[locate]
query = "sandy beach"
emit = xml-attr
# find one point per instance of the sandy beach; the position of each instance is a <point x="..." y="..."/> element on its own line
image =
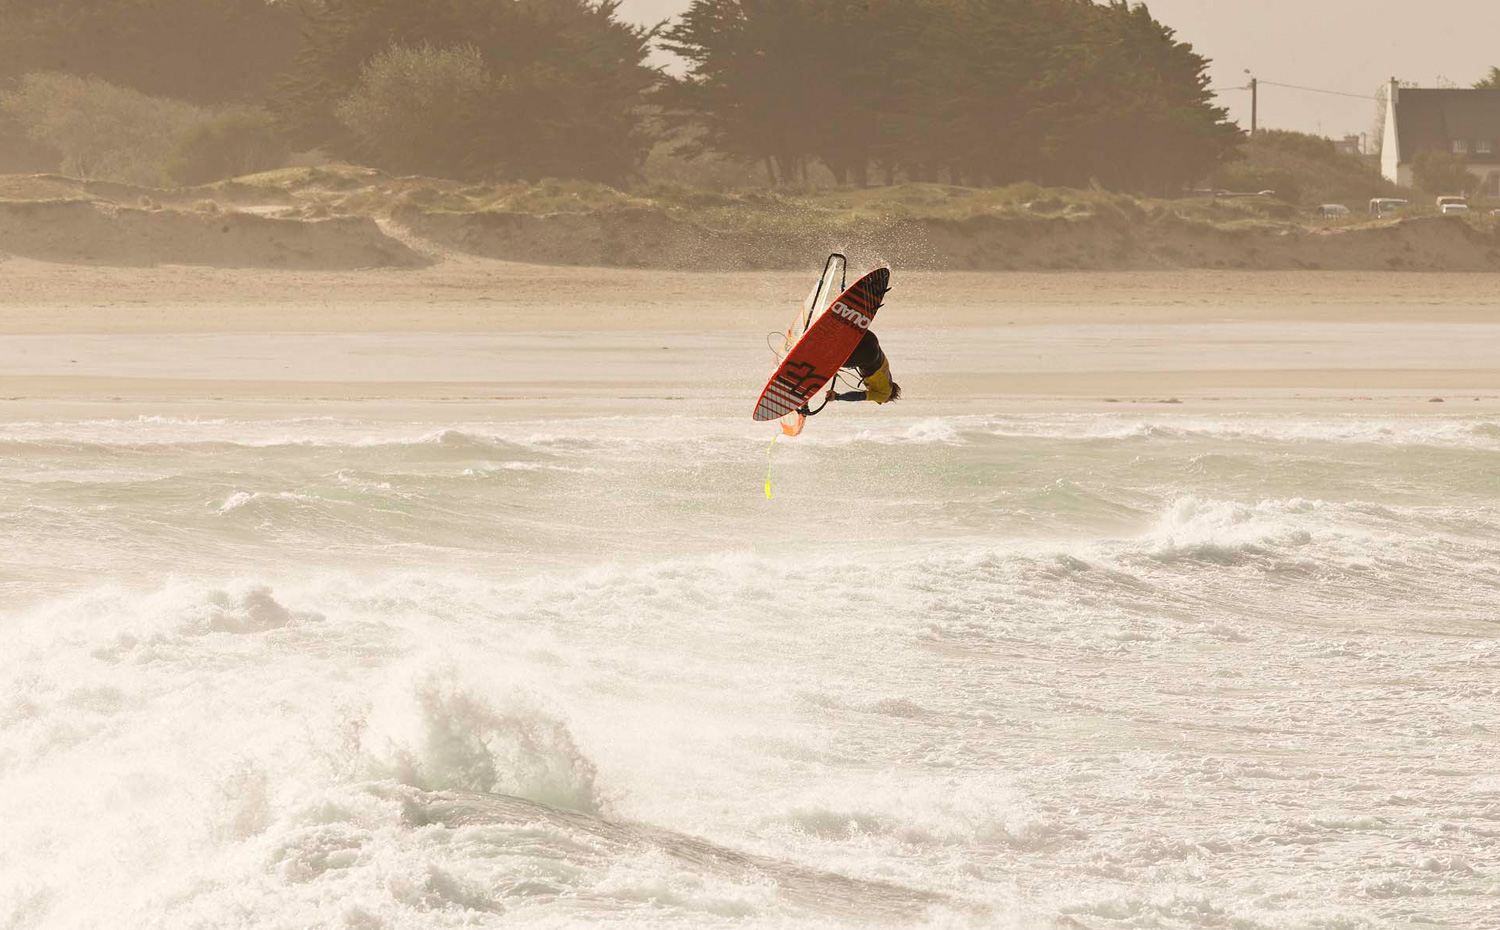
<point x="535" y="337"/>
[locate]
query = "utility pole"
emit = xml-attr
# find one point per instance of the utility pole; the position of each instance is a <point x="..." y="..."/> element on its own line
<point x="1254" y="103"/>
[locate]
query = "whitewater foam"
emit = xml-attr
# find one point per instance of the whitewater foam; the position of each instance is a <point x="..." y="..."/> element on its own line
<point x="961" y="671"/>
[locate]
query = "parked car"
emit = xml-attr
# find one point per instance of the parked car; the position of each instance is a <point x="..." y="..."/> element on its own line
<point x="1332" y="211"/>
<point x="1444" y="202"/>
<point x="1387" y="206"/>
<point x="1448" y="208"/>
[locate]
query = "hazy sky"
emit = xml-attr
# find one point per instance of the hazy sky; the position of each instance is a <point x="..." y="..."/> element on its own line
<point x="1344" y="45"/>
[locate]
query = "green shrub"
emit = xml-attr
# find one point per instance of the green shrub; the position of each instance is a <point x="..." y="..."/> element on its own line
<point x="1308" y="146"/>
<point x="1442" y="173"/>
<point x="562" y="84"/>
<point x="239" y="141"/>
<point x="1302" y="169"/>
<point x="1249" y="178"/>
<point x="417" y="110"/>
<point x="100" y="131"/>
<point x="685" y="195"/>
<point x="1047" y="203"/>
<point x="1020" y="192"/>
<point x="666" y="163"/>
<point x="19" y="154"/>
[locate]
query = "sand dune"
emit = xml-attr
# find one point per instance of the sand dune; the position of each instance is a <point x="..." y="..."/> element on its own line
<point x="346" y="217"/>
<point x="648" y="239"/>
<point x="100" y="233"/>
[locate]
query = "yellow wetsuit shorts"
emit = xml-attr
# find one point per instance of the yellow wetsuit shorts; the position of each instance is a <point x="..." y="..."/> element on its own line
<point x="878" y="384"/>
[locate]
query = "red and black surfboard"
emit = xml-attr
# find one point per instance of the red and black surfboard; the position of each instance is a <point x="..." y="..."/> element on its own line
<point x="823" y="349"/>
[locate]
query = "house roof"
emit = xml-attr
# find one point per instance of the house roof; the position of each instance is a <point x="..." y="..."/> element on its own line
<point x="1428" y="118"/>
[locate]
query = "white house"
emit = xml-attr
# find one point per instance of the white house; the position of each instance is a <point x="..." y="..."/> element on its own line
<point x="1462" y="121"/>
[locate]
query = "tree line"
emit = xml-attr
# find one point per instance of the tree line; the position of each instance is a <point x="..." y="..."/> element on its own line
<point x="976" y="92"/>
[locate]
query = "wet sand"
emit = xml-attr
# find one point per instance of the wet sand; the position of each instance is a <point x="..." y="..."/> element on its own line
<point x="579" y="340"/>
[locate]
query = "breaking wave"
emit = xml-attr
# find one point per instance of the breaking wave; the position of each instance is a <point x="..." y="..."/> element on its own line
<point x="958" y="671"/>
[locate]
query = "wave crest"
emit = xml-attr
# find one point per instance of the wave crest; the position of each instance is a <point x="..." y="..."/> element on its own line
<point x="1221" y="531"/>
<point x="443" y="736"/>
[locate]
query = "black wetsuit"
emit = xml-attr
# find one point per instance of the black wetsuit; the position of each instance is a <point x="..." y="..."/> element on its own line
<point x="867" y="360"/>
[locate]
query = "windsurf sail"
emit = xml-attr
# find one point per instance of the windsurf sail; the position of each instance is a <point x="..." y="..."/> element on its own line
<point x="831" y="283"/>
<point x="814" y="359"/>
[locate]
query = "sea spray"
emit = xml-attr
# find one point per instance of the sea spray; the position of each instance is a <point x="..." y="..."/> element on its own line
<point x="967" y="670"/>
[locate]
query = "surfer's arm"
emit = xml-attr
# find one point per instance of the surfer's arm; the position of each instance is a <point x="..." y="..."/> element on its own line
<point x="852" y="395"/>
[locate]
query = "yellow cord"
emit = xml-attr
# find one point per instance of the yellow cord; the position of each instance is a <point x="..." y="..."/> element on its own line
<point x="768" y="464"/>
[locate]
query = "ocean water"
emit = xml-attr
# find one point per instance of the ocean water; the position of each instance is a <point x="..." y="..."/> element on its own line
<point x="1095" y="671"/>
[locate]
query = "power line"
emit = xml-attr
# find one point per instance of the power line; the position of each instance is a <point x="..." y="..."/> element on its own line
<point x="1319" y="90"/>
<point x="1312" y="90"/>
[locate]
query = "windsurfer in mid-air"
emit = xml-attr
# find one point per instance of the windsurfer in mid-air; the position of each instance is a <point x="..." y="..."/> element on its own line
<point x="829" y="335"/>
<point x="875" y="375"/>
<point x="874" y="371"/>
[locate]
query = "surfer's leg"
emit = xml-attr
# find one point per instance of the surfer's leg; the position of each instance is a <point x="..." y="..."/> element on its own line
<point x="867" y="357"/>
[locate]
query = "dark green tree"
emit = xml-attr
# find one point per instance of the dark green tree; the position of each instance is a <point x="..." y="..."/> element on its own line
<point x="1135" y="109"/>
<point x="1439" y="172"/>
<point x="980" y="81"/>
<point x="855" y="80"/>
<point x="241" y="140"/>
<point x="752" y="64"/>
<point x="408" y="99"/>
<point x="567" y="81"/>
<point x="1490" y="81"/>
<point x="203" y="51"/>
<point x="974" y="91"/>
<point x="785" y="82"/>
